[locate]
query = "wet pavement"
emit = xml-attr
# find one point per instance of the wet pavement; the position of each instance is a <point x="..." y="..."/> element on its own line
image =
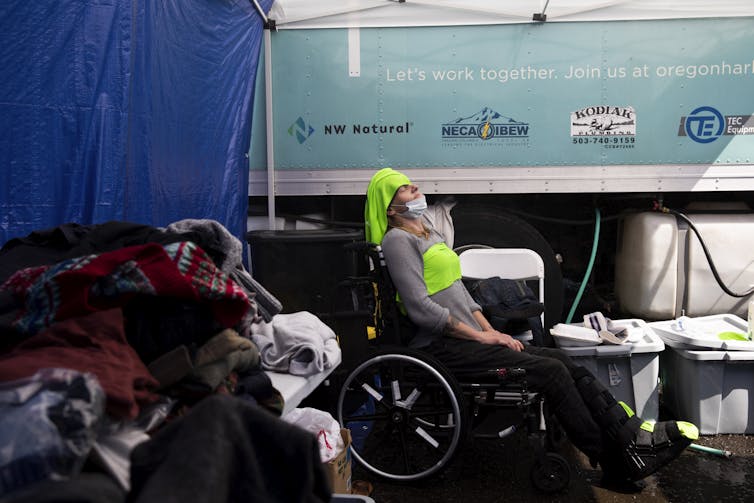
<point x="491" y="470"/>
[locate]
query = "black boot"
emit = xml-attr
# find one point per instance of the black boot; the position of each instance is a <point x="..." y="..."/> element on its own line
<point x="633" y="449"/>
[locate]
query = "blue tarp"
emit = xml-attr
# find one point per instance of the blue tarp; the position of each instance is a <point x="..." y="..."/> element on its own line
<point x="130" y="110"/>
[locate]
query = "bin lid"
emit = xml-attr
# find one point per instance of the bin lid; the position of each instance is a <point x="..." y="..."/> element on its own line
<point x="641" y="339"/>
<point x="574" y="335"/>
<point x="304" y="235"/>
<point x="714" y="355"/>
<point x="717" y="331"/>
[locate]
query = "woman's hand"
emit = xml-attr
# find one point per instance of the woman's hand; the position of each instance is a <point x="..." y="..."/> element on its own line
<point x="492" y="336"/>
<point x="487" y="335"/>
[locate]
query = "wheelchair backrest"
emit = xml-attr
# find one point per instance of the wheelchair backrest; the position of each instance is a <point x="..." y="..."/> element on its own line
<point x="392" y="326"/>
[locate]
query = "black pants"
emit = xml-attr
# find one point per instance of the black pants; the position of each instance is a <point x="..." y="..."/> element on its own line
<point x="548" y="371"/>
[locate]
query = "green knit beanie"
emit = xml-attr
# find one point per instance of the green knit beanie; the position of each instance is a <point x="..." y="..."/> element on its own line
<point x="380" y="193"/>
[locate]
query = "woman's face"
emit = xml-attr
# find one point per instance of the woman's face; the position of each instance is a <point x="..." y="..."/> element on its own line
<point x="404" y="194"/>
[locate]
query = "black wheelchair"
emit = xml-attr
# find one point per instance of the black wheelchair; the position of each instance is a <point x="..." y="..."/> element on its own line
<point x="408" y="415"/>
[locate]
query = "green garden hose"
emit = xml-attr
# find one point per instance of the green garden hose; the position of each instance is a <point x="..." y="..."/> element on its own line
<point x="588" y="272"/>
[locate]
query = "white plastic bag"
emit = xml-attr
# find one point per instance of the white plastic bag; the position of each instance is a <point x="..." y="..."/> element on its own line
<point x="321" y="424"/>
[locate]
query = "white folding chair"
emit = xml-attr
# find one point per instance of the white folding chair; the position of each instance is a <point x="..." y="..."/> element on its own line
<point x="507" y="263"/>
<point x="519" y="264"/>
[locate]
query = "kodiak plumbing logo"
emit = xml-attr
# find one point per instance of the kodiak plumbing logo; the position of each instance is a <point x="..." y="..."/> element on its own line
<point x="608" y="126"/>
<point x="603" y="120"/>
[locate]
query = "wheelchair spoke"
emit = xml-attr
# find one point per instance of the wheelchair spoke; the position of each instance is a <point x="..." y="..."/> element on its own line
<point x="395" y="385"/>
<point x="379" y="397"/>
<point x="426" y="436"/>
<point x="385" y="435"/>
<point x="404" y="450"/>
<point x="375" y="394"/>
<point x="433" y="411"/>
<point x="410" y="400"/>
<point x="435" y="420"/>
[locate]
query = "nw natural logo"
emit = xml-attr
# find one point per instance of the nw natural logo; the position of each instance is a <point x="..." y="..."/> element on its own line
<point x="300" y="130"/>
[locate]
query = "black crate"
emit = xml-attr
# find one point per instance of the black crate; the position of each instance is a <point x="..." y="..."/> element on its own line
<point x="302" y="268"/>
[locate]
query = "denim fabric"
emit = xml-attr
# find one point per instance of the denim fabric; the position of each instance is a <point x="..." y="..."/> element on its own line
<point x="47" y="426"/>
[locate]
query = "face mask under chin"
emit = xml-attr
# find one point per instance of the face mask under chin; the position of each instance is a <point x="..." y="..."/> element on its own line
<point x="415" y="208"/>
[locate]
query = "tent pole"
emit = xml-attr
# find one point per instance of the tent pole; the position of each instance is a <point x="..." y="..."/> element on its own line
<point x="270" y="129"/>
<point x="260" y="12"/>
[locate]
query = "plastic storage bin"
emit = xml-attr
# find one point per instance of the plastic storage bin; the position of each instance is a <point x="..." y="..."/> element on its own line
<point x="712" y="389"/>
<point x="302" y="268"/>
<point x="722" y="332"/>
<point x="630" y="370"/>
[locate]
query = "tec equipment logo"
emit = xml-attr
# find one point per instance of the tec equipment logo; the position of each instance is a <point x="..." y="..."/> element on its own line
<point x="704" y="125"/>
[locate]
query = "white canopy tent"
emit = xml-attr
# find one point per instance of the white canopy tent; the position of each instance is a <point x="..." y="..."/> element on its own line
<point x="301" y="14"/>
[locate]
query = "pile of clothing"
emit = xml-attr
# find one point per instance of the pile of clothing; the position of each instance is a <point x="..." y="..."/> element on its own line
<point x="126" y="349"/>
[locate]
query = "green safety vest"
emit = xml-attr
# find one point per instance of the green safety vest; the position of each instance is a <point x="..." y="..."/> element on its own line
<point x="441" y="269"/>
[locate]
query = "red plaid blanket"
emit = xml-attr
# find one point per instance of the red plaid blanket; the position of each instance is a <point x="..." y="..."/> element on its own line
<point x="83" y="285"/>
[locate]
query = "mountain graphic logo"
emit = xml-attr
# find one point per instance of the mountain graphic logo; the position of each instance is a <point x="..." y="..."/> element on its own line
<point x="485" y="115"/>
<point x="485" y="124"/>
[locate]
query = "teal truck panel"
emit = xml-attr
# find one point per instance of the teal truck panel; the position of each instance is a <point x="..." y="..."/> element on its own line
<point x="663" y="92"/>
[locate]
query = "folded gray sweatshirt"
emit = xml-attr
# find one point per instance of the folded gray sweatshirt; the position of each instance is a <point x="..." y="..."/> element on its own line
<point x="297" y="343"/>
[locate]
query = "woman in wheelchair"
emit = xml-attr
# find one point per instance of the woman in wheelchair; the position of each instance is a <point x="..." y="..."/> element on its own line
<point x="452" y="328"/>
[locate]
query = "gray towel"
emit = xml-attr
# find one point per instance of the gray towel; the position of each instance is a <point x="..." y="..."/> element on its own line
<point x="297" y="343"/>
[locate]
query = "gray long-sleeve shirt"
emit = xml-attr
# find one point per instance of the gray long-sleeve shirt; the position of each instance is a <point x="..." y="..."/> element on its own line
<point x="404" y="258"/>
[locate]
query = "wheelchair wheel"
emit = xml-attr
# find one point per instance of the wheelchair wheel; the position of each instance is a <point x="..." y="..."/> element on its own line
<point x="405" y="412"/>
<point x="551" y="473"/>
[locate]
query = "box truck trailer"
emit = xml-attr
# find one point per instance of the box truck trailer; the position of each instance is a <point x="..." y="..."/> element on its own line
<point x="540" y="119"/>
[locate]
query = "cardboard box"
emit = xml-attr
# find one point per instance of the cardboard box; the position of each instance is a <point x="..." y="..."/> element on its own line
<point x="339" y="469"/>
